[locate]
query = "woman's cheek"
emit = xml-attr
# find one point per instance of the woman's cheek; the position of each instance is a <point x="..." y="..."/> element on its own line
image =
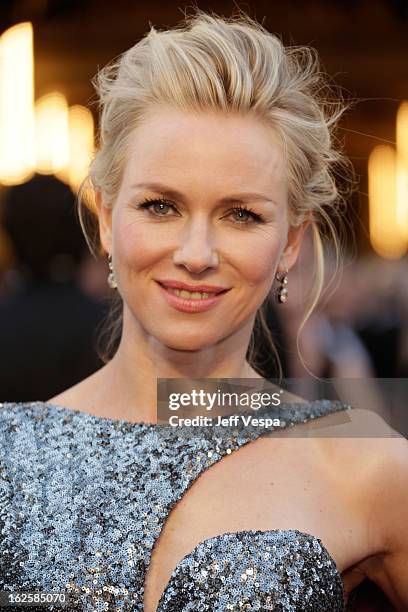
<point x="264" y="262"/>
<point x="136" y="245"/>
<point x="259" y="263"/>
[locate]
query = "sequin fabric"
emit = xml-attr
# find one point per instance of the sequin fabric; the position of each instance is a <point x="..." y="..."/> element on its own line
<point x="83" y="500"/>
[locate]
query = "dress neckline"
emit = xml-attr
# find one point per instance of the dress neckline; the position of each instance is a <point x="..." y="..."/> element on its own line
<point x="95" y="417"/>
<point x="203" y="544"/>
<point x="50" y="406"/>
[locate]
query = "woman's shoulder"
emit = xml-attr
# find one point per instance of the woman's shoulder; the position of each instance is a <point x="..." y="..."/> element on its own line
<point x="79" y="394"/>
<point x="377" y="469"/>
<point x="11" y="410"/>
<point x="360" y="448"/>
<point x="343" y="421"/>
<point x="373" y="458"/>
<point x="16" y="432"/>
<point x="361" y="441"/>
<point x="19" y="420"/>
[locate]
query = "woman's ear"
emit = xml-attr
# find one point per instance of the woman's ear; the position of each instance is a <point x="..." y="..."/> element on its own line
<point x="293" y="244"/>
<point x="105" y="222"/>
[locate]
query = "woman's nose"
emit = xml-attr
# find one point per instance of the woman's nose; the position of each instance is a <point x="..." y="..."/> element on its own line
<point x="197" y="251"/>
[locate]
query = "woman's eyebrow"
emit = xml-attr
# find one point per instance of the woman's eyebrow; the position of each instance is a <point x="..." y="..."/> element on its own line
<point x="231" y="199"/>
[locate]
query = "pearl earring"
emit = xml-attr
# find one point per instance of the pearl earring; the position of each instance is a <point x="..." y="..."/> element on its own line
<point x="111" y="276"/>
<point x="282" y="291"/>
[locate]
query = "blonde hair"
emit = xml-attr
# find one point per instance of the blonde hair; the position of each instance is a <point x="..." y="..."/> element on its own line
<point x="229" y="65"/>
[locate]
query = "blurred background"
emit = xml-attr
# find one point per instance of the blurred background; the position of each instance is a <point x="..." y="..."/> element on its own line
<point x="54" y="295"/>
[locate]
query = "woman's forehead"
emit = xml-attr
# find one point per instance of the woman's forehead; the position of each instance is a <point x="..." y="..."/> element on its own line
<point x="240" y="151"/>
<point x="171" y="125"/>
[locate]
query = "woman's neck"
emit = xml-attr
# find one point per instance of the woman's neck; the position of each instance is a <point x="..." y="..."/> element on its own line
<point x="126" y="387"/>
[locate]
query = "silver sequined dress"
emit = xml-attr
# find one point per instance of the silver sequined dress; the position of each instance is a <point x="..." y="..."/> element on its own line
<point x="83" y="500"/>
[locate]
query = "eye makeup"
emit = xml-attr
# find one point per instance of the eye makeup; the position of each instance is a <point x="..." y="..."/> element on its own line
<point x="150" y="203"/>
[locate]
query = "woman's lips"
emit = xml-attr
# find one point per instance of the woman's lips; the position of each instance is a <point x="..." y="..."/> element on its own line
<point x="190" y="305"/>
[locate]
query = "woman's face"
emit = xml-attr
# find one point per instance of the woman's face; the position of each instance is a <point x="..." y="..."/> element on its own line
<point x="197" y="170"/>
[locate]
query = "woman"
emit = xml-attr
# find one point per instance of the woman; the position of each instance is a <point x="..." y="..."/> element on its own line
<point x="215" y="155"/>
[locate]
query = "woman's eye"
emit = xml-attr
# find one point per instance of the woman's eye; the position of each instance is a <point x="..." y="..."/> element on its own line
<point x="243" y="214"/>
<point x="158" y="206"/>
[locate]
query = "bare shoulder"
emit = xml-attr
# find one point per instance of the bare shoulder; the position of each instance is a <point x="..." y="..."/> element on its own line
<point x="365" y="462"/>
<point x="371" y="443"/>
<point x="362" y="441"/>
<point x="368" y="424"/>
<point x="387" y="487"/>
<point x="79" y="396"/>
<point x="370" y="459"/>
<point x="70" y="398"/>
<point x="350" y="423"/>
<point x="383" y="464"/>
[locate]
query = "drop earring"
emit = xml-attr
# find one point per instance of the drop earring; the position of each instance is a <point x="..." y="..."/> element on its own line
<point x="282" y="291"/>
<point x="111" y="276"/>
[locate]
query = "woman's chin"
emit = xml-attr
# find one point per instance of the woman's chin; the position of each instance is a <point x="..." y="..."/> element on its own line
<point x="187" y="342"/>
